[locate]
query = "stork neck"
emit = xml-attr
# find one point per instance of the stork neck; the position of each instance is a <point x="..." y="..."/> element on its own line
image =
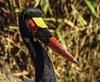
<point x="43" y="66"/>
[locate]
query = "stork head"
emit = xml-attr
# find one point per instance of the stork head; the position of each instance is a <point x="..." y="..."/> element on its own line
<point x="32" y="26"/>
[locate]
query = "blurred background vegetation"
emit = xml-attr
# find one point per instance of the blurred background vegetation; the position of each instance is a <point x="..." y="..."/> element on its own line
<point x="75" y="23"/>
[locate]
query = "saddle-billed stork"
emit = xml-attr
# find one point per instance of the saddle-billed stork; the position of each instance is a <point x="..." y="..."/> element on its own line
<point x="32" y="29"/>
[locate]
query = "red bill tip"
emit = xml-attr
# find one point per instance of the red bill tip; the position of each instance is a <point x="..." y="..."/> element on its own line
<point x="57" y="47"/>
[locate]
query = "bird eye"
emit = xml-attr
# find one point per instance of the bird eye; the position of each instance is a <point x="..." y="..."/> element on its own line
<point x="26" y="16"/>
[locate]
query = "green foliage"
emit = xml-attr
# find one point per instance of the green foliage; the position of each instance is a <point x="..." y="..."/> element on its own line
<point x="46" y="4"/>
<point x="72" y="36"/>
<point x="90" y="6"/>
<point x="98" y="37"/>
<point x="17" y="10"/>
<point x="14" y="27"/>
<point x="79" y="17"/>
<point x="47" y="7"/>
<point x="84" y="60"/>
<point x="58" y="32"/>
<point x="97" y="21"/>
<point x="68" y="77"/>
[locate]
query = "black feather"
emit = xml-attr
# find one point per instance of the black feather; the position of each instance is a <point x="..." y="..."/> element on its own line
<point x="43" y="67"/>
